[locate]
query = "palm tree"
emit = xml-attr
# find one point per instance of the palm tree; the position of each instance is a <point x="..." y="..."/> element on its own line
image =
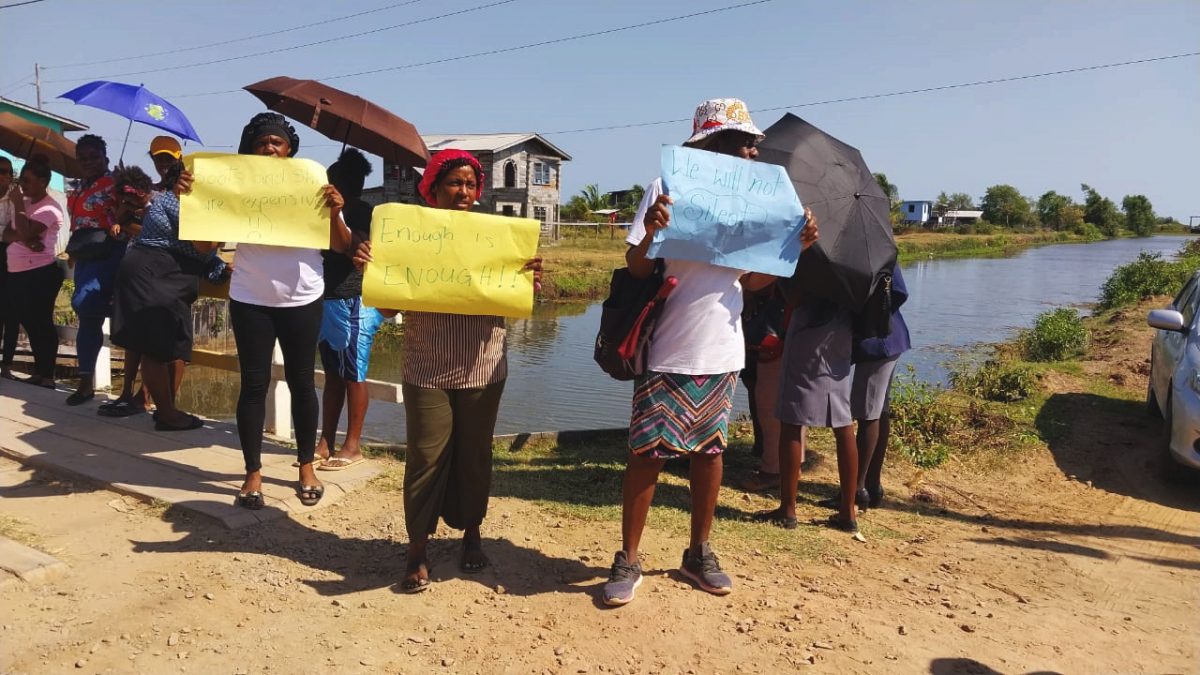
<point x="593" y="197"/>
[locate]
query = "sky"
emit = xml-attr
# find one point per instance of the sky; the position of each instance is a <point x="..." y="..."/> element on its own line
<point x="1128" y="130"/>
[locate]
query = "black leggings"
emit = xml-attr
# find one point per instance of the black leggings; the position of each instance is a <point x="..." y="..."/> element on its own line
<point x="255" y="329"/>
<point x="31" y="296"/>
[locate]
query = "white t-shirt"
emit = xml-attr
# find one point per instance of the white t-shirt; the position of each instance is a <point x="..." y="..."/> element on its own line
<point x="277" y="276"/>
<point x="700" y="329"/>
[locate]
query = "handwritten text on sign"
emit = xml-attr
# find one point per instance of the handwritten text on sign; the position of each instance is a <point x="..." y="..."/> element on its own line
<point x="456" y="262"/>
<point x="730" y="212"/>
<point x="255" y="200"/>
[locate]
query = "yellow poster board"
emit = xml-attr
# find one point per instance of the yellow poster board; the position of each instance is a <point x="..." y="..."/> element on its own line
<point x="456" y="262"/>
<point x="253" y="199"/>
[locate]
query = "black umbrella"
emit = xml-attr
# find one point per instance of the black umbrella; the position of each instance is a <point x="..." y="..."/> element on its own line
<point x="856" y="252"/>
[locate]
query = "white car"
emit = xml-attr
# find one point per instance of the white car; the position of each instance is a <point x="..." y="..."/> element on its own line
<point x="1174" y="391"/>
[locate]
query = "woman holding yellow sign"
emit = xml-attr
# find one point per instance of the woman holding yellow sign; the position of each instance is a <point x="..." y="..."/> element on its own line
<point x="454" y="371"/>
<point x="276" y="293"/>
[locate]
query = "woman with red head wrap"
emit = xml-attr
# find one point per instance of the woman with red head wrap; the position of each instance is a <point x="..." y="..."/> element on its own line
<point x="454" y="371"/>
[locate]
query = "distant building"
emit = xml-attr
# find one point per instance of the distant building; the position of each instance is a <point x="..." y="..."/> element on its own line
<point x="924" y="214"/>
<point x="916" y="213"/>
<point x="523" y="174"/>
<point x="622" y="199"/>
<point x="959" y="217"/>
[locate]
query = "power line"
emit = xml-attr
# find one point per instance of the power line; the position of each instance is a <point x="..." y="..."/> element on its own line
<point x="18" y="4"/>
<point x="179" y="50"/>
<point x="906" y="92"/>
<point x="505" y="50"/>
<point x="293" y="47"/>
<point x="15" y="86"/>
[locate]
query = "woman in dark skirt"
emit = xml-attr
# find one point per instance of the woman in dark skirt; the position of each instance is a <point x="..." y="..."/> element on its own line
<point x="156" y="285"/>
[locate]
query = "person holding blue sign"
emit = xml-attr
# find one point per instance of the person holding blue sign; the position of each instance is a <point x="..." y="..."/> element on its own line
<point x="681" y="404"/>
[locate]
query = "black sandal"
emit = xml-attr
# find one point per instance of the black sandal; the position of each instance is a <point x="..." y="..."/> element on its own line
<point x="78" y="397"/>
<point x="847" y="525"/>
<point x="250" y="500"/>
<point x="472" y="567"/>
<point x="415" y="584"/>
<point x="776" y="518"/>
<point x="311" y="494"/>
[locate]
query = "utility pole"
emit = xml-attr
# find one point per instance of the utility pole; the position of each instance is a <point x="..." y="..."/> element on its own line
<point x="37" y="83"/>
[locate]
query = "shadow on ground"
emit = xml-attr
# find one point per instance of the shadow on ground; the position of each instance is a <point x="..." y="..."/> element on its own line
<point x="1117" y="446"/>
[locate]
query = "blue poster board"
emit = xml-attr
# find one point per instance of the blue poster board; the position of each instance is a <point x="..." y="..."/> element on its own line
<point x="730" y="212"/>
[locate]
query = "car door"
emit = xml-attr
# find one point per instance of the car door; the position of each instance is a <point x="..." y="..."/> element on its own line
<point x="1169" y="345"/>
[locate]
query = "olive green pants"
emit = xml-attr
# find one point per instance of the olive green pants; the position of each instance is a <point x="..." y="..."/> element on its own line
<point x="448" y="462"/>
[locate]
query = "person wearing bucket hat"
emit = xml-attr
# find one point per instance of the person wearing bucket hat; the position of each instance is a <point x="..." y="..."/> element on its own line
<point x="681" y="404"/>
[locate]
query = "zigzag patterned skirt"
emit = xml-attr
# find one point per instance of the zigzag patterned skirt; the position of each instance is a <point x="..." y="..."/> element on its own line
<point x="676" y="415"/>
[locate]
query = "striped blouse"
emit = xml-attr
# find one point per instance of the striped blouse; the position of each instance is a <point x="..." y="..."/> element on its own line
<point x="454" y="351"/>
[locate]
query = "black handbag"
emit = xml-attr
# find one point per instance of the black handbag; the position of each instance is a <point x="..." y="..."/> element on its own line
<point x="90" y="243"/>
<point x="627" y="320"/>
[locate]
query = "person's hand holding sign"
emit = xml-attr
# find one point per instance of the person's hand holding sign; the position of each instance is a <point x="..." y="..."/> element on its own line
<point x="810" y="233"/>
<point x="536" y="266"/>
<point x="657" y="217"/>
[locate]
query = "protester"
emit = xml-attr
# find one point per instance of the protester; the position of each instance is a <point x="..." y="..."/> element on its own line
<point x="455" y="367"/>
<point x="347" y="327"/>
<point x="9" y="326"/>
<point x="815" y="392"/>
<point x="155" y="287"/>
<point x="764" y="322"/>
<point x="275" y="293"/>
<point x="91" y="209"/>
<point x="695" y="354"/>
<point x="34" y="277"/>
<point x="166" y="154"/>
<point x="874" y="365"/>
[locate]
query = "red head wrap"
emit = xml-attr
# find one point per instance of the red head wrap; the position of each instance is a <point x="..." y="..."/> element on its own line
<point x="434" y="167"/>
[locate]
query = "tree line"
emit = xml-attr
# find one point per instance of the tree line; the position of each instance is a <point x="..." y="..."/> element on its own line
<point x="1004" y="206"/>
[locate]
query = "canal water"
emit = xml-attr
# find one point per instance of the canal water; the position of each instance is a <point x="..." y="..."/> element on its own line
<point x="955" y="306"/>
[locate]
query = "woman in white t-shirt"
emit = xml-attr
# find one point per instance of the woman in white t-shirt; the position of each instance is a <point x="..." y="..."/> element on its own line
<point x="681" y="404"/>
<point x="277" y="293"/>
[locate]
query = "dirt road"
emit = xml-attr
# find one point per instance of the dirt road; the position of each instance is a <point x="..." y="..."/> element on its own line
<point x="1071" y="557"/>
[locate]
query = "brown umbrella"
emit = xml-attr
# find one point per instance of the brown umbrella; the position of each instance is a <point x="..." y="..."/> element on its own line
<point x="25" y="139"/>
<point x="344" y="117"/>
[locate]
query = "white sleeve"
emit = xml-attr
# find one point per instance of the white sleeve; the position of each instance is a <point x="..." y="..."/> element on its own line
<point x="637" y="228"/>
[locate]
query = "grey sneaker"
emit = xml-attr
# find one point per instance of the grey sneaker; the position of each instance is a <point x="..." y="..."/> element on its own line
<point x="623" y="581"/>
<point x="705" y="570"/>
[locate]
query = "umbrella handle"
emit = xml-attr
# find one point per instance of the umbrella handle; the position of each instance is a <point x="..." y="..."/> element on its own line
<point x="126" y="142"/>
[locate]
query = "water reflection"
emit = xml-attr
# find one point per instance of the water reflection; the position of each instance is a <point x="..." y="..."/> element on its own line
<point x="553" y="384"/>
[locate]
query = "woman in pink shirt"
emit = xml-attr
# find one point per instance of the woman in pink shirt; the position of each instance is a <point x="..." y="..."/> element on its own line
<point x="34" y="277"/>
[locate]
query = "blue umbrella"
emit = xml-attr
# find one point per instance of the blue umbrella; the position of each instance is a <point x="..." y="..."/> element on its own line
<point x="136" y="104"/>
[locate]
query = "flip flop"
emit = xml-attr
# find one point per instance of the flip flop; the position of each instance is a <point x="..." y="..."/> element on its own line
<point x="760" y="482"/>
<point x="250" y="500"/>
<point x="418" y="584"/>
<point x="77" y="398"/>
<point x="318" y="460"/>
<point x="310" y="495"/>
<point x="340" y="463"/>
<point x="119" y="409"/>
<point x="775" y="517"/>
<point x="473" y="567"/>
<point x="192" y="423"/>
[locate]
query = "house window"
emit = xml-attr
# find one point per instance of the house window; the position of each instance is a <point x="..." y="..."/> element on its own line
<point x="911" y="208"/>
<point x="510" y="174"/>
<point x="507" y="210"/>
<point x="539" y="213"/>
<point x="541" y="173"/>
